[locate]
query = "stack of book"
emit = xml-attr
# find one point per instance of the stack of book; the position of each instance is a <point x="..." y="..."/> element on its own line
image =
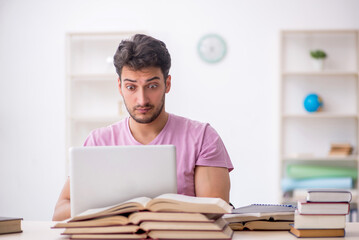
<point x="261" y="217"/>
<point x="168" y="216"/>
<point x="323" y="214"/>
<point x="340" y="149"/>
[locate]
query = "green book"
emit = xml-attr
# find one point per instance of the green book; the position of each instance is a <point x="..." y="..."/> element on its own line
<point x="314" y="171"/>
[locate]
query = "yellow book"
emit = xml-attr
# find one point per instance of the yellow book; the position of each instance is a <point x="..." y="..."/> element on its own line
<point x="317" y="232"/>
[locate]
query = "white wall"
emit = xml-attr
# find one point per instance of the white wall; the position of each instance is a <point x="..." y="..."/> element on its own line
<point x="239" y="96"/>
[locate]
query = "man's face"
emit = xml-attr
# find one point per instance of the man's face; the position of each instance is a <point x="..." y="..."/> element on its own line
<point x="143" y="92"/>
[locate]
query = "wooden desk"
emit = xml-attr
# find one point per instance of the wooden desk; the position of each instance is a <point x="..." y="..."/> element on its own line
<point x="42" y="231"/>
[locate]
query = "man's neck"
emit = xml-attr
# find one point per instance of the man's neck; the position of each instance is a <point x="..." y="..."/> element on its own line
<point x="146" y="132"/>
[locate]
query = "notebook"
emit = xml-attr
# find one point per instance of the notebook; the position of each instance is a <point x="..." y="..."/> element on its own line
<point x="107" y="175"/>
<point x="264" y="208"/>
<point x="262" y="212"/>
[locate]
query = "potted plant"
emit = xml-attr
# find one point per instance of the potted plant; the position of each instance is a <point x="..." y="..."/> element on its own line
<point x="318" y="59"/>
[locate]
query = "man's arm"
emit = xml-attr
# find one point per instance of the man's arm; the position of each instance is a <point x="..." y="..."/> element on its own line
<point x="62" y="208"/>
<point x="212" y="182"/>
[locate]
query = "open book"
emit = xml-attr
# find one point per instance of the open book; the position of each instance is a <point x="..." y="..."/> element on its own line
<point x="164" y="203"/>
<point x="270" y="212"/>
<point x="261" y="225"/>
<point x="261" y="217"/>
<point x="149" y="226"/>
<point x="139" y="217"/>
<point x="225" y="234"/>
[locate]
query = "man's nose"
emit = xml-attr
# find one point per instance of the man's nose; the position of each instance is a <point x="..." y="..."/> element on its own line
<point x="142" y="98"/>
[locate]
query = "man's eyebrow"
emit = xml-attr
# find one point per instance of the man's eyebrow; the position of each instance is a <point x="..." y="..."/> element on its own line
<point x="148" y="80"/>
<point x="129" y="80"/>
<point x="154" y="78"/>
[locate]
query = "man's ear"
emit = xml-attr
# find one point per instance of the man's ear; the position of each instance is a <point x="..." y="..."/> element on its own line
<point x="168" y="83"/>
<point x="119" y="86"/>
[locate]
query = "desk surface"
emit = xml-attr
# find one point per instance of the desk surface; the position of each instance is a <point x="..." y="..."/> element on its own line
<point x="42" y="231"/>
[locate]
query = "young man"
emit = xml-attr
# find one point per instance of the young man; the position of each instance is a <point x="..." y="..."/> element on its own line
<point x="203" y="164"/>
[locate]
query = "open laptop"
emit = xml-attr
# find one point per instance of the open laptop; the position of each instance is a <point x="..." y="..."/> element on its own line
<point x="106" y="175"/>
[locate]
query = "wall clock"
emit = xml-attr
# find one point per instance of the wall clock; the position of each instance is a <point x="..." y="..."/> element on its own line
<point x="212" y="48"/>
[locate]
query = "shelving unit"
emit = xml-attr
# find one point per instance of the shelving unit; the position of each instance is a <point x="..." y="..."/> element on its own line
<point x="305" y="138"/>
<point x="92" y="95"/>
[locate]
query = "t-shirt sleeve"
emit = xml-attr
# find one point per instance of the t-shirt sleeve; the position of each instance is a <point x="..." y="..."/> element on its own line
<point x="99" y="137"/>
<point x="213" y="152"/>
<point x="90" y="140"/>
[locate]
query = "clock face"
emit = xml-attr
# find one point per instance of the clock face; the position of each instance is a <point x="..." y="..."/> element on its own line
<point x="212" y="48"/>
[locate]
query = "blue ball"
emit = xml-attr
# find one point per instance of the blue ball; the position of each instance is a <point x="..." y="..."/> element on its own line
<point x="313" y="103"/>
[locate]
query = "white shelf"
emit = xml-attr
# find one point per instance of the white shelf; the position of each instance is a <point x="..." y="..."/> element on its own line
<point x="319" y="115"/>
<point x="319" y="31"/>
<point x="321" y="73"/>
<point x="311" y="134"/>
<point x="93" y="98"/>
<point x="323" y="158"/>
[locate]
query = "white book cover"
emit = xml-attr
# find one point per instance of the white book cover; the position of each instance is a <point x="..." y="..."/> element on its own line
<point x="319" y="221"/>
<point x="324" y="208"/>
<point x="329" y="195"/>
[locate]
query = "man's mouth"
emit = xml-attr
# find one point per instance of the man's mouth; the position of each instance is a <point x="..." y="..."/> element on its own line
<point x="143" y="110"/>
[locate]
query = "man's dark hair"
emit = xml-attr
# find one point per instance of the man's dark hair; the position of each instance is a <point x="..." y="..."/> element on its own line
<point x="141" y="51"/>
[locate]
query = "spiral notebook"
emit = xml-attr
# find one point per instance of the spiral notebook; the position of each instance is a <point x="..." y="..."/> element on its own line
<point x="262" y="212"/>
<point x="264" y="208"/>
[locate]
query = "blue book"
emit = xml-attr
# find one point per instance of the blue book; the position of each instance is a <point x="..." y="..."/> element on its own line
<point x="289" y="184"/>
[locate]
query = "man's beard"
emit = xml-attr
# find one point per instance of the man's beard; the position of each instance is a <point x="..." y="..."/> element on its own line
<point x="151" y="118"/>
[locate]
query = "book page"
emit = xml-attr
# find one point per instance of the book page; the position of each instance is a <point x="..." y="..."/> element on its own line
<point x="177" y="202"/>
<point x="141" y="200"/>
<point x="94" y="211"/>
<point x="190" y="199"/>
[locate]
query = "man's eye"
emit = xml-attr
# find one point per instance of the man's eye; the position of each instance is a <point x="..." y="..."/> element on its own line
<point x="152" y="86"/>
<point x="129" y="87"/>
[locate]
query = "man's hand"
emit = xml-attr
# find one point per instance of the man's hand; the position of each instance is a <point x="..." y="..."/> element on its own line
<point x="63" y="208"/>
<point x="212" y="182"/>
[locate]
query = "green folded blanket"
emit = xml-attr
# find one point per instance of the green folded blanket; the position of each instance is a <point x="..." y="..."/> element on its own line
<point x="314" y="171"/>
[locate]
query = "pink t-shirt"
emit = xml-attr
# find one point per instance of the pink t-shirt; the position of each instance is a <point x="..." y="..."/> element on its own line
<point x="196" y="144"/>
